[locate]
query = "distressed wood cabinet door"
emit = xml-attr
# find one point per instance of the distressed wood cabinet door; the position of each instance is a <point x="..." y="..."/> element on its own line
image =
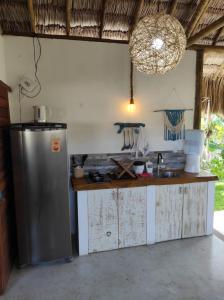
<point x="195" y="209"/>
<point x="169" y="204"/>
<point x="132" y="216"/>
<point x="103" y="220"/>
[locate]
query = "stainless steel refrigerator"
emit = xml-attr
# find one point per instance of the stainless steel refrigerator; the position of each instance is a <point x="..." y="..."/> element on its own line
<point x="41" y="189"/>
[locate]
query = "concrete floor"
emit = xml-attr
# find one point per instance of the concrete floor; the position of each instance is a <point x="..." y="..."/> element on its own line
<point x="179" y="270"/>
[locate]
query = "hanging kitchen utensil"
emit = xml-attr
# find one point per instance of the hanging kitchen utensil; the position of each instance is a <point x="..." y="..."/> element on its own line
<point x="124" y="145"/>
<point x="132" y="137"/>
<point x="84" y="157"/>
<point x="129" y="139"/>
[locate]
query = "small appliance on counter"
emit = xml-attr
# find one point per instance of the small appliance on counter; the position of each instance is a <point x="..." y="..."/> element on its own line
<point x="193" y="147"/>
<point x="41" y="185"/>
<point x="40" y="113"/>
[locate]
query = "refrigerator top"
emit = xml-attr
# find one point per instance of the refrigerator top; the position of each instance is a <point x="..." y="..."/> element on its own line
<point x="38" y="126"/>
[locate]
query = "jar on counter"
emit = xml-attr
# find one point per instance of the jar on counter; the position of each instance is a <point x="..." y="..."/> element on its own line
<point x="78" y="172"/>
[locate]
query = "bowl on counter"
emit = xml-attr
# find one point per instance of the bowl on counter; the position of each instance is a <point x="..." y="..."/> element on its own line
<point x="138" y="167"/>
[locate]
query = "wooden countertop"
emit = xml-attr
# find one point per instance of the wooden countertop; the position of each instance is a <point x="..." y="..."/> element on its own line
<point x="83" y="185"/>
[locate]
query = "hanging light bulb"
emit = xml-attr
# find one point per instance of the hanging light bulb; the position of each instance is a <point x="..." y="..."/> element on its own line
<point x="131" y="105"/>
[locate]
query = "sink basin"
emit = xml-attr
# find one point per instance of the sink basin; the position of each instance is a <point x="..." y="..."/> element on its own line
<point x="168" y="174"/>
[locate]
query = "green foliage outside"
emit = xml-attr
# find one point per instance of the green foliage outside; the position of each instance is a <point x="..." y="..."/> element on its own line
<point x="213" y="158"/>
<point x="219" y="196"/>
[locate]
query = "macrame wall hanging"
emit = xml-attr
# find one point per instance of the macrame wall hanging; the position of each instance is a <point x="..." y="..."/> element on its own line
<point x="174" y="127"/>
<point x="174" y="124"/>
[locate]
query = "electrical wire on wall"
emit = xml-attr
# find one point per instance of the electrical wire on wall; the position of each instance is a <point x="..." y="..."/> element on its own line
<point x="28" y="87"/>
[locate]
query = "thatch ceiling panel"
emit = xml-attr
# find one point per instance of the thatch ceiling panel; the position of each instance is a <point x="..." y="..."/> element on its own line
<point x="115" y="35"/>
<point x="85" y="31"/>
<point x="84" y="19"/>
<point x="117" y="7"/>
<point x="49" y="3"/>
<point x="14" y="20"/>
<point x="213" y="64"/>
<point x="110" y="19"/>
<point x="91" y="5"/>
<point x="120" y="23"/>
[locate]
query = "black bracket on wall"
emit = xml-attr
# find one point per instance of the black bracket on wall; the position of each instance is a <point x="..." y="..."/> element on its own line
<point x="128" y="125"/>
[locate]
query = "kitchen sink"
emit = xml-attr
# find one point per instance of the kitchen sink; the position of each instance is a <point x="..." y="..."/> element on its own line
<point x="168" y="174"/>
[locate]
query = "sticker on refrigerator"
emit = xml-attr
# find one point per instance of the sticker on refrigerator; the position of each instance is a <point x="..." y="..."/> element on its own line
<point x="55" y="145"/>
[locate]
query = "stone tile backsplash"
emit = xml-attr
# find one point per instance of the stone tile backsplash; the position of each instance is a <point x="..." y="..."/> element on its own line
<point x="103" y="162"/>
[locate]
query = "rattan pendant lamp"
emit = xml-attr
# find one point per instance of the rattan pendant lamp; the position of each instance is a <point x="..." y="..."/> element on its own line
<point x="157" y="44"/>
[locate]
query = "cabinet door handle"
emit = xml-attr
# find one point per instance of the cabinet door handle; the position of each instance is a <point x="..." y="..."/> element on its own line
<point x="185" y="190"/>
<point x="180" y="189"/>
<point x="108" y="233"/>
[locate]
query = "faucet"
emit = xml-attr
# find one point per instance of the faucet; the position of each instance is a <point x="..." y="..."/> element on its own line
<point x="159" y="162"/>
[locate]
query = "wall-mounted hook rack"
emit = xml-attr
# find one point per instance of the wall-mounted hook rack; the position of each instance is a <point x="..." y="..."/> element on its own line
<point x="128" y="125"/>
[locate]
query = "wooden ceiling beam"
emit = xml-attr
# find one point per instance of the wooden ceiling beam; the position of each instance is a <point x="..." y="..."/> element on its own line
<point x="136" y="16"/>
<point x="92" y="39"/>
<point x="172" y="7"/>
<point x="65" y="37"/>
<point x="218" y="34"/>
<point x="198" y="15"/>
<point x="32" y="16"/>
<point x="206" y="47"/>
<point x="102" y="17"/>
<point x="206" y="31"/>
<point x="68" y="16"/>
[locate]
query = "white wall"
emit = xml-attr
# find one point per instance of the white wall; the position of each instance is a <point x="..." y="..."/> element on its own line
<point x="2" y="60"/>
<point x="86" y="84"/>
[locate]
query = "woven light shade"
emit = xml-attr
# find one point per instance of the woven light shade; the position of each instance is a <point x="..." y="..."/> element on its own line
<point x="157" y="44"/>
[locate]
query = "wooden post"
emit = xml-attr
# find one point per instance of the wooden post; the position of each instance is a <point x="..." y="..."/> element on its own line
<point x="68" y="16"/>
<point x="31" y="15"/>
<point x="198" y="89"/>
<point x="102" y="16"/>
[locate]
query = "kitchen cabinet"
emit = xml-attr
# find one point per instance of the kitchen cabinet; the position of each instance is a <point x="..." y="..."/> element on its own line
<point x="123" y="217"/>
<point x="117" y="218"/>
<point x="6" y="213"/>
<point x="132" y="216"/>
<point x="195" y="209"/>
<point x="169" y="204"/>
<point x="103" y="220"/>
<point x="181" y="211"/>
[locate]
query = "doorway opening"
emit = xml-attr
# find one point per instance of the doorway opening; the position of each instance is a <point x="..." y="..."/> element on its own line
<point x="212" y="121"/>
<point x="213" y="161"/>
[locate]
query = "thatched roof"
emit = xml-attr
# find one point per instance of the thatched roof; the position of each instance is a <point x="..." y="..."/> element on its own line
<point x="213" y="80"/>
<point x="213" y="63"/>
<point x="107" y="19"/>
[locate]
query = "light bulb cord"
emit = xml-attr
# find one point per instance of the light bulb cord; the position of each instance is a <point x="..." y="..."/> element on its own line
<point x="131" y="83"/>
